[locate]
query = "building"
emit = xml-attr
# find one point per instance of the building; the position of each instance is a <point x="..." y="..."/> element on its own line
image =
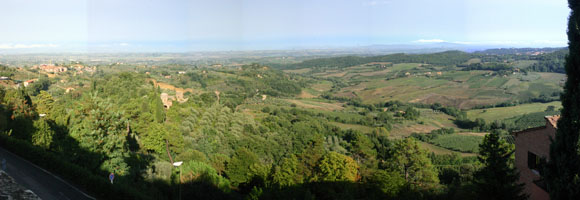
<point x="167" y="100"/>
<point x="532" y="151"/>
<point x="52" y="68"/>
<point x="29" y="82"/>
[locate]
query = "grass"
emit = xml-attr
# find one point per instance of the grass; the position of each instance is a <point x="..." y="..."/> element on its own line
<point x="427" y="122"/>
<point x="461" y="143"/>
<point x="316" y="104"/>
<point x="298" y="71"/>
<point x="440" y="150"/>
<point x="492" y="114"/>
<point x="356" y="127"/>
<point x="522" y="64"/>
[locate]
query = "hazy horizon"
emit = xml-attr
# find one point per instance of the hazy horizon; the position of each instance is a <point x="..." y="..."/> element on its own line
<point x="227" y="25"/>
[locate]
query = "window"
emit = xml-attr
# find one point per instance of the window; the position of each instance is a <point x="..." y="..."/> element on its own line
<point x="534" y="162"/>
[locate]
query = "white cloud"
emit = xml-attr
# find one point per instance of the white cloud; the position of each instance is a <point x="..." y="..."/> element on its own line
<point x="376" y="3"/>
<point x="26" y="46"/>
<point x="429" y="41"/>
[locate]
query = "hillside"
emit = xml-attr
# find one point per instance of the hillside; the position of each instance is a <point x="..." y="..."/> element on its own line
<point x="240" y="127"/>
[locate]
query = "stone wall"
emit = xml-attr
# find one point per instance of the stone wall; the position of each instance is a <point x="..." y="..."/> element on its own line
<point x="9" y="189"/>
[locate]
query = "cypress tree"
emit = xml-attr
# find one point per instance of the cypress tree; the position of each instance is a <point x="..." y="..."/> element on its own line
<point x="563" y="169"/>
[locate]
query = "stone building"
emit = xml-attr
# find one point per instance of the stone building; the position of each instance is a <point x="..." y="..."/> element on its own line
<point x="532" y="151"/>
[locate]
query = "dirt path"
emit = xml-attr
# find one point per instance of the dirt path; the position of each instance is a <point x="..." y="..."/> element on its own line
<point x="168" y="86"/>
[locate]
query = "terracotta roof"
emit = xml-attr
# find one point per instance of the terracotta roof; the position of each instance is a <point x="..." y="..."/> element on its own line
<point x="553" y="120"/>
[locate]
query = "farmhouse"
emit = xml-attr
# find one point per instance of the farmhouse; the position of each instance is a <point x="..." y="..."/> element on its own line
<point x="167" y="100"/>
<point x="532" y="151"/>
<point x="28" y="82"/>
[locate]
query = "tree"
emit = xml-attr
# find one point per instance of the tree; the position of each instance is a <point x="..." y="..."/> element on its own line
<point x="36" y="87"/>
<point x="43" y="102"/>
<point x="388" y="182"/>
<point x="563" y="168"/>
<point x="336" y="167"/>
<point x="154" y="138"/>
<point x="43" y="135"/>
<point x="22" y="113"/>
<point x="286" y="174"/>
<point x="309" y="157"/>
<point x="103" y="130"/>
<point x="157" y="106"/>
<point x="412" y="163"/>
<point x="361" y="147"/>
<point x="239" y="169"/>
<point x="411" y="114"/>
<point x="498" y="179"/>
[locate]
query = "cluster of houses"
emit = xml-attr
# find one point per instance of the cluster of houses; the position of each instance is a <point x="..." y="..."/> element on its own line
<point x="51" y="68"/>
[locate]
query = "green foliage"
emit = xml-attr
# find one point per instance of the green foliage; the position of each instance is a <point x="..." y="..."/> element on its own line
<point x="389" y="182"/>
<point x="498" y="179"/>
<point x="154" y="138"/>
<point x="21" y="113"/>
<point x="550" y="62"/>
<point x="286" y="173"/>
<point x="41" y="84"/>
<point x="411" y="113"/>
<point x="44" y="102"/>
<point x="218" y="162"/>
<point x="103" y="130"/>
<point x="243" y="166"/>
<point x="243" y="146"/>
<point x="563" y="170"/>
<point x="411" y="162"/>
<point x="43" y="134"/>
<point x="157" y="107"/>
<point x="199" y="171"/>
<point x="433" y="134"/>
<point x="336" y="167"/>
<point x="310" y="157"/>
<point x="361" y="147"/>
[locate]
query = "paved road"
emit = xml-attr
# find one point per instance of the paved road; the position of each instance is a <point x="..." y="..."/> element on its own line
<point x="44" y="184"/>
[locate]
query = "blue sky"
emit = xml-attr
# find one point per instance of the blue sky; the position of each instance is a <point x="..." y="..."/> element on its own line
<point x="182" y="25"/>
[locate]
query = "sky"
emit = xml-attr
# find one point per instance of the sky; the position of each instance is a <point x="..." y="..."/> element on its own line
<point x="193" y="25"/>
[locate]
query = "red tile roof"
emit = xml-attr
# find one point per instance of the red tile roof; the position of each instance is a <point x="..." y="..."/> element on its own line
<point x="553" y="120"/>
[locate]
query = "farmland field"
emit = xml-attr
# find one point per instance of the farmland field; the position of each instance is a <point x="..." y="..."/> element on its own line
<point x="491" y="114"/>
<point x="417" y="83"/>
<point x="457" y="142"/>
<point x="440" y="150"/>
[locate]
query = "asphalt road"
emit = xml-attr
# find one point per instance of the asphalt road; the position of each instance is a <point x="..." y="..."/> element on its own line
<point x="44" y="184"/>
